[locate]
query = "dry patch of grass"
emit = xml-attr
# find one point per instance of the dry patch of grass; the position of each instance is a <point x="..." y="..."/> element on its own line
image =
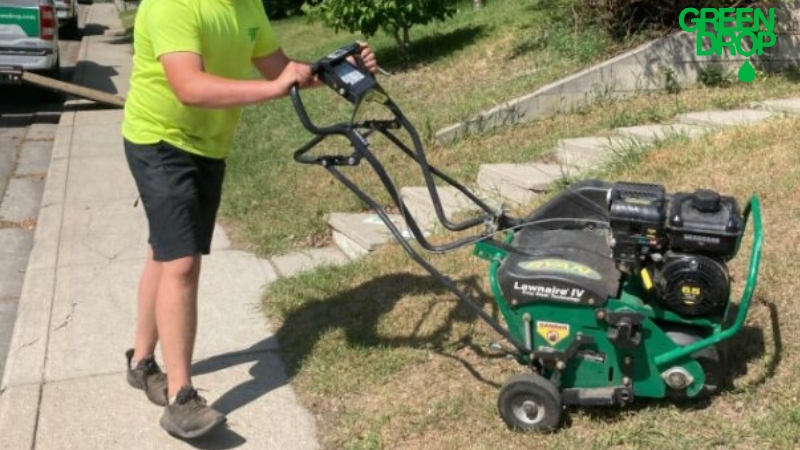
<point x="387" y="359"/>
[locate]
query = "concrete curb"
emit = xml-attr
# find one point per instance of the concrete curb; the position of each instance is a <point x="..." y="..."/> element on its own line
<point x="28" y="348"/>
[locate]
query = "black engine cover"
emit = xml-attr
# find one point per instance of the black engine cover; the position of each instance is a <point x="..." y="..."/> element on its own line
<point x="572" y="266"/>
<point x="694" y="285"/>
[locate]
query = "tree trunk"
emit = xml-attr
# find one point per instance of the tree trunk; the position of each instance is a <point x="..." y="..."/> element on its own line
<point x="402" y="43"/>
<point x="477" y="4"/>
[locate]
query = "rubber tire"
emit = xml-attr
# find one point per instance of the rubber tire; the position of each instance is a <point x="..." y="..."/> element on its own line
<point x="70" y="29"/>
<point x="710" y="361"/>
<point x="532" y="387"/>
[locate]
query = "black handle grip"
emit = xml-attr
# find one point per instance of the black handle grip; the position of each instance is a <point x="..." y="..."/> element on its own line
<point x="336" y="56"/>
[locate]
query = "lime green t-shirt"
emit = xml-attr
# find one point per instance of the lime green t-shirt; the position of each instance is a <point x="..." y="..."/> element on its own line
<point x="228" y="34"/>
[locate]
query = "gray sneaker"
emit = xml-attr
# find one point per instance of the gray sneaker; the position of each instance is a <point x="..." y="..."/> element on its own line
<point x="189" y="417"/>
<point x="148" y="377"/>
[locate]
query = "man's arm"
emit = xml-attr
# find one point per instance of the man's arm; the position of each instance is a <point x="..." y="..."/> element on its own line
<point x="273" y="65"/>
<point x="194" y="87"/>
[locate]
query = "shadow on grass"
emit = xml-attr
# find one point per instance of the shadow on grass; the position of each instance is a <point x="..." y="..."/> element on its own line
<point x="430" y="48"/>
<point x="358" y="311"/>
<point x="790" y="73"/>
<point x="749" y="345"/>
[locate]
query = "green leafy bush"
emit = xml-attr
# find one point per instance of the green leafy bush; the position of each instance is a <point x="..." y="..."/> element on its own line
<point x="278" y="9"/>
<point x="394" y="17"/>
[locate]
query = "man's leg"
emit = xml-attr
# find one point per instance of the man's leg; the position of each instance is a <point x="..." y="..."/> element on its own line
<point x="146" y="330"/>
<point x="176" y="316"/>
<point x="143" y="371"/>
<point x="187" y="414"/>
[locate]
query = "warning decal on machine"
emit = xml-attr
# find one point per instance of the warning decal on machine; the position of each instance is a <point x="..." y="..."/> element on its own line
<point x="552" y="332"/>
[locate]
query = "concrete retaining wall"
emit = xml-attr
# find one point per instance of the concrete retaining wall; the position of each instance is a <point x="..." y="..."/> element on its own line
<point x="645" y="68"/>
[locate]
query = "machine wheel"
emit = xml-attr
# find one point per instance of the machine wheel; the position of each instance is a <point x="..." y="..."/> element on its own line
<point x="710" y="361"/>
<point x="528" y="402"/>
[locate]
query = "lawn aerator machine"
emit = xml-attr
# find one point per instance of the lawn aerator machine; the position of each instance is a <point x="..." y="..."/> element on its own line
<point x="609" y="291"/>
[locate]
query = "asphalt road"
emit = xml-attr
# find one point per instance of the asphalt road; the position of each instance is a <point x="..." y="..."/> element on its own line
<point x="28" y="122"/>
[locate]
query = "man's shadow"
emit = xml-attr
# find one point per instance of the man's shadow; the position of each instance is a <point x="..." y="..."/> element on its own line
<point x="267" y="373"/>
<point x="357" y="312"/>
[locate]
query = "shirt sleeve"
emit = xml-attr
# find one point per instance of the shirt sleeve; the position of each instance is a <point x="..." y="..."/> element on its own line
<point x="172" y="26"/>
<point x="266" y="41"/>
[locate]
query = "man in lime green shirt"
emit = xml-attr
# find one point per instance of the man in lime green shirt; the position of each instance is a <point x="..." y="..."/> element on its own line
<point x="192" y="60"/>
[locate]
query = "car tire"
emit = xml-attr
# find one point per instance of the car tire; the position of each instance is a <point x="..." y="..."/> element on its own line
<point x="70" y="29"/>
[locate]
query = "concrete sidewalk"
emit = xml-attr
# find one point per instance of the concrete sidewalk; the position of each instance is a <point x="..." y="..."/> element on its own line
<point x="64" y="386"/>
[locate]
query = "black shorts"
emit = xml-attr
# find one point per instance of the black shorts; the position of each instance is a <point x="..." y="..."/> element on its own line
<point x="180" y="192"/>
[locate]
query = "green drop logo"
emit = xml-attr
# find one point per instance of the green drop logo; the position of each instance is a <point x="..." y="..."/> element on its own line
<point x="747" y="73"/>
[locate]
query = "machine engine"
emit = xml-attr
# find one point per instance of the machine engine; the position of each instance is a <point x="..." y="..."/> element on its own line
<point x="678" y="244"/>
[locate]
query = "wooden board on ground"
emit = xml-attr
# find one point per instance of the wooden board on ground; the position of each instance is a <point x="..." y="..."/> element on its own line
<point x="74" y="89"/>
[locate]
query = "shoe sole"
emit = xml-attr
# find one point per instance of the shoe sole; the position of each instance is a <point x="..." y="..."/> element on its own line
<point x="174" y="430"/>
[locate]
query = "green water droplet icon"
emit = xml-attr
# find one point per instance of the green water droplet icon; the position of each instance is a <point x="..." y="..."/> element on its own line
<point x="747" y="73"/>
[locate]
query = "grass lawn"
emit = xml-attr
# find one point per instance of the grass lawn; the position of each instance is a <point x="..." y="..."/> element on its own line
<point x="387" y="359"/>
<point x="471" y="62"/>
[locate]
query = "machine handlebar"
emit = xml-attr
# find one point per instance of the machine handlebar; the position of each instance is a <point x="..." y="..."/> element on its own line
<point x="352" y="82"/>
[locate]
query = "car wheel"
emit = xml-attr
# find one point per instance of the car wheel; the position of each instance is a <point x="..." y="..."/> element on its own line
<point x="70" y="29"/>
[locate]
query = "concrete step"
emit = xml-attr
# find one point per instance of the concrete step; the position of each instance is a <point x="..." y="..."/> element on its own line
<point x="301" y="261"/>
<point x="646" y="134"/>
<point x="361" y="233"/>
<point x="519" y="183"/>
<point x="349" y="247"/>
<point x="588" y="152"/>
<point x="418" y="200"/>
<point x="786" y="105"/>
<point x="719" y="119"/>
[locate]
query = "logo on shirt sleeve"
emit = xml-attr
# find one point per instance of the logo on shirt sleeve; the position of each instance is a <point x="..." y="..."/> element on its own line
<point x="253" y="32"/>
